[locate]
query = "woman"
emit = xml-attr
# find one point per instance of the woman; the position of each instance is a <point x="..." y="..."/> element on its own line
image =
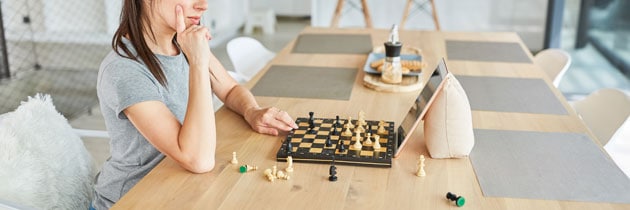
<point x="155" y="91"/>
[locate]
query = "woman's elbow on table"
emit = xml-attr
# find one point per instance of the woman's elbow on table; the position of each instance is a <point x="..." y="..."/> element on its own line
<point x="200" y="165"/>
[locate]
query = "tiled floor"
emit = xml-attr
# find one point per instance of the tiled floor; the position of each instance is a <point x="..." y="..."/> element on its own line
<point x="588" y="72"/>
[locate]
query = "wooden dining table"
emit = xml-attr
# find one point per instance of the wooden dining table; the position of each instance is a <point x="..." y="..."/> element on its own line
<point x="169" y="186"/>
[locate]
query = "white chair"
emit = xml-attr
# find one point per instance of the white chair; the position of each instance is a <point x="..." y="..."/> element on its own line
<point x="618" y="147"/>
<point x="555" y="62"/>
<point x="248" y="56"/>
<point x="604" y="111"/>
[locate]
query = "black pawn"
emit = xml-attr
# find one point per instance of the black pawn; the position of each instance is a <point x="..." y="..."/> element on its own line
<point x="311" y="120"/>
<point x="337" y="122"/>
<point x="342" y="146"/>
<point x="289" y="148"/>
<point x="328" y="142"/>
<point x="459" y="200"/>
<point x="311" y="123"/>
<point x="333" y="172"/>
<point x="334" y="130"/>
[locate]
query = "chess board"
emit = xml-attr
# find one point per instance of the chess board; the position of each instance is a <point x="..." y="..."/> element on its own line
<point x="309" y="145"/>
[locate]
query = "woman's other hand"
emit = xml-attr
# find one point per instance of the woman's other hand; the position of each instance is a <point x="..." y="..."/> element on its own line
<point x="269" y="120"/>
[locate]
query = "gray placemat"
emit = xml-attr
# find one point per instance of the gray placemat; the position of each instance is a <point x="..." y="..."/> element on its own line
<point x="333" y="43"/>
<point x="486" y="51"/>
<point x="503" y="94"/>
<point x="547" y="166"/>
<point x="306" y="82"/>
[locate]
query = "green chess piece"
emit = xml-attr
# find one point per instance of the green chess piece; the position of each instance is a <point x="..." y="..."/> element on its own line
<point x="459" y="200"/>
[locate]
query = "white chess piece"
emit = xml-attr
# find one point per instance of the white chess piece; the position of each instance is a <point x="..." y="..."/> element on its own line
<point x="421" y="171"/>
<point x="282" y="175"/>
<point x="367" y="140"/>
<point x="347" y="132"/>
<point x="377" y="143"/>
<point x="290" y="164"/>
<point x="234" y="160"/>
<point x="381" y="128"/>
<point x="269" y="175"/>
<point x="362" y="118"/>
<point x="357" y="144"/>
<point x="349" y="123"/>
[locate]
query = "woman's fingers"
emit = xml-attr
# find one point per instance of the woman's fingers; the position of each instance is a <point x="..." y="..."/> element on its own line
<point x="180" y="23"/>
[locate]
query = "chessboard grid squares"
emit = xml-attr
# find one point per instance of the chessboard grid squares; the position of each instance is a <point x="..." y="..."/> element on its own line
<point x="316" y="151"/>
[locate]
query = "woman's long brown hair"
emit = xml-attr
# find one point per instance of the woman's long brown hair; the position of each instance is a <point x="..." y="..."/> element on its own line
<point x="132" y="26"/>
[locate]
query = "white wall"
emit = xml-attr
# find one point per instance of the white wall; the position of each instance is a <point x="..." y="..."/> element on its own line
<point x="82" y="30"/>
<point x="94" y="21"/>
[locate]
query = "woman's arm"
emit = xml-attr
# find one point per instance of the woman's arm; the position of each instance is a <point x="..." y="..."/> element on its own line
<point x="192" y="144"/>
<point x="239" y="99"/>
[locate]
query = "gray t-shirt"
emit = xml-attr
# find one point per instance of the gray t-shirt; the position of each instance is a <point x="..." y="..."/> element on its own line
<point x="123" y="82"/>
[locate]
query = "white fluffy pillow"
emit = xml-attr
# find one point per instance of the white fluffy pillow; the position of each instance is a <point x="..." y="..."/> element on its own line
<point x="43" y="163"/>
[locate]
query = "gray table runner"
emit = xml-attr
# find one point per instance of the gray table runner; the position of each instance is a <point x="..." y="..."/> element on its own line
<point x="306" y="82"/>
<point x="486" y="51"/>
<point x="333" y="43"/>
<point x="549" y="166"/>
<point x="503" y="94"/>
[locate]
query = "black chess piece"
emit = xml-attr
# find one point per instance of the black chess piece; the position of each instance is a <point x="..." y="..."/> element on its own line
<point x="459" y="200"/>
<point x="289" y="148"/>
<point x="333" y="172"/>
<point x="328" y="142"/>
<point x="311" y="124"/>
<point x="334" y="130"/>
<point x="342" y="146"/>
<point x="311" y="120"/>
<point x="337" y="123"/>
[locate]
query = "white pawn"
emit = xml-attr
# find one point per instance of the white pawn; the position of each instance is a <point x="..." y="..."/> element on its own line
<point x="377" y="143"/>
<point x="269" y="175"/>
<point x="349" y="123"/>
<point x="282" y="175"/>
<point x="357" y="144"/>
<point x="290" y="164"/>
<point x="274" y="171"/>
<point x="367" y="139"/>
<point x="347" y="132"/>
<point x="234" y="160"/>
<point x="421" y="171"/>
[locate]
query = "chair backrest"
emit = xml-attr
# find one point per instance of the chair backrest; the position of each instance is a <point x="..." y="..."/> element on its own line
<point x="555" y="62"/>
<point x="604" y="111"/>
<point x="248" y="56"/>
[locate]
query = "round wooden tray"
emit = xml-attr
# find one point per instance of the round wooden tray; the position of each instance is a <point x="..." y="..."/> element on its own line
<point x="408" y="84"/>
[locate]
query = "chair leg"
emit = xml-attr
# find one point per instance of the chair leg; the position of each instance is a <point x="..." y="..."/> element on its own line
<point x="338" y="10"/>
<point x="335" y="20"/>
<point x="408" y="9"/>
<point x="435" y="16"/>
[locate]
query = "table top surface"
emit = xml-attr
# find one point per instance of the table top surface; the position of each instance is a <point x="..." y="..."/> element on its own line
<point x="172" y="187"/>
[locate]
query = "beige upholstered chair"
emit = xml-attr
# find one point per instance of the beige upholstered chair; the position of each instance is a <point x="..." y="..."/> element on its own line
<point x="554" y="62"/>
<point x="604" y="111"/>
